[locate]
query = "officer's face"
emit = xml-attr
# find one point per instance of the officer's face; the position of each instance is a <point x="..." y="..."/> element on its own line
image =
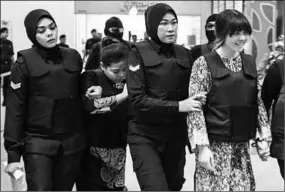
<point x="167" y="29"/>
<point x="46" y="33"/>
<point x="116" y="72"/>
<point x="237" y="41"/>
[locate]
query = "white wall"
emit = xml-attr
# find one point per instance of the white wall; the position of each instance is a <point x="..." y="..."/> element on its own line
<point x="16" y="11"/>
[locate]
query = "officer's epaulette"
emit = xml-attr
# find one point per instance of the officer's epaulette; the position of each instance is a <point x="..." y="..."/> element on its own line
<point x="20" y="60"/>
<point x="133" y="62"/>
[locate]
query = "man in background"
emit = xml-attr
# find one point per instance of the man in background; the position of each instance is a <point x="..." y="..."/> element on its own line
<point x="62" y="40"/>
<point x="95" y="38"/>
<point x="7" y="58"/>
<point x="113" y="31"/>
<point x="134" y="38"/>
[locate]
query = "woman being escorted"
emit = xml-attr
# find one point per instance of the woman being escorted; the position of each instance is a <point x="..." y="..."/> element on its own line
<point x="220" y="133"/>
<point x="106" y="123"/>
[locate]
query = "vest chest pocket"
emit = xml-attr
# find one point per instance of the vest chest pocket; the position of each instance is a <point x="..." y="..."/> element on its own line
<point x="40" y="112"/>
<point x="154" y="74"/>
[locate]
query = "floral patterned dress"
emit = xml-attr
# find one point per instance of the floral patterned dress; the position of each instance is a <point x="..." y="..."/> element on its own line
<point x="113" y="161"/>
<point x="105" y="163"/>
<point x="112" y="170"/>
<point x="233" y="170"/>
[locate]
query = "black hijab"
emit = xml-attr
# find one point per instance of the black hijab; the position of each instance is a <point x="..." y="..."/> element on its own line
<point x="153" y="16"/>
<point x="114" y="22"/>
<point x="211" y="34"/>
<point x="31" y="22"/>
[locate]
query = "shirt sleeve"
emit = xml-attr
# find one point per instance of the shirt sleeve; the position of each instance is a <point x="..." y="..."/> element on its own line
<point x="89" y="79"/>
<point x="137" y="89"/>
<point x="15" y="111"/>
<point x="200" y="81"/>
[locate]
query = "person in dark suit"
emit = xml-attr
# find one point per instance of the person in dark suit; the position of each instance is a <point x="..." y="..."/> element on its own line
<point x="7" y="58"/>
<point x="203" y="49"/>
<point x="91" y="41"/>
<point x="114" y="31"/>
<point x="273" y="97"/>
<point x="44" y="111"/>
<point x="62" y="40"/>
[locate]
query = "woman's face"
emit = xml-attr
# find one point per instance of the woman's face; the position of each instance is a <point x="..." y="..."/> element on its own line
<point x="167" y="29"/>
<point x="116" y="72"/>
<point x="237" y="41"/>
<point x="46" y="33"/>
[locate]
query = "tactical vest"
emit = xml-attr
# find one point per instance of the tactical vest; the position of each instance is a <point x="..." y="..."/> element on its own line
<point x="53" y="95"/>
<point x="166" y="79"/>
<point x="277" y="126"/>
<point x="231" y="108"/>
<point x="205" y="48"/>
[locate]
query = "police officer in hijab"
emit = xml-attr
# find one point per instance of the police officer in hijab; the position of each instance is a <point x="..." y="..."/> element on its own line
<point x="43" y="118"/>
<point x="157" y="81"/>
<point x="113" y="31"/>
<point x="203" y="49"/>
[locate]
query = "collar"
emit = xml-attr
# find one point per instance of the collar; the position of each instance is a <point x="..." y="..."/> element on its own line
<point x="163" y="48"/>
<point x="155" y="46"/>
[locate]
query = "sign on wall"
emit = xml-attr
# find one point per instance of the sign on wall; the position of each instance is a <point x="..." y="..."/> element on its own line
<point x="140" y="5"/>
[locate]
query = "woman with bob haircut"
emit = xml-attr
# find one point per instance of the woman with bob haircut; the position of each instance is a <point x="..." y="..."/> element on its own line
<point x="233" y="113"/>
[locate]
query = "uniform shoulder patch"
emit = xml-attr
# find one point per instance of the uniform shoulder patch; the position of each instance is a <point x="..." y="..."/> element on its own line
<point x="20" y="60"/>
<point x="15" y="85"/>
<point x="134" y="68"/>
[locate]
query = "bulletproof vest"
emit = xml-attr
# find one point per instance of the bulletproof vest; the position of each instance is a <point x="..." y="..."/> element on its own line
<point x="205" y="48"/>
<point x="278" y="117"/>
<point x="231" y="107"/>
<point x="167" y="78"/>
<point x="54" y="102"/>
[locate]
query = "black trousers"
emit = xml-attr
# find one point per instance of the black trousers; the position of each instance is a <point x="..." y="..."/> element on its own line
<point x="281" y="166"/>
<point x="51" y="173"/>
<point x="158" y="170"/>
<point x="83" y="181"/>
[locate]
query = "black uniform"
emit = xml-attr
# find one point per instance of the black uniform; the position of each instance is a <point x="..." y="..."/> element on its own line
<point x="94" y="59"/>
<point x="199" y="50"/>
<point x="63" y="45"/>
<point x="158" y="133"/>
<point x="6" y="48"/>
<point x="273" y="91"/>
<point x="157" y="79"/>
<point x="43" y="119"/>
<point x="203" y="49"/>
<point x="105" y="131"/>
<point x="91" y="42"/>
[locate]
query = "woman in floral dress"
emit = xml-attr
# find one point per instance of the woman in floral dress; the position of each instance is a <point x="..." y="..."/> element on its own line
<point x="103" y="167"/>
<point x="233" y="113"/>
